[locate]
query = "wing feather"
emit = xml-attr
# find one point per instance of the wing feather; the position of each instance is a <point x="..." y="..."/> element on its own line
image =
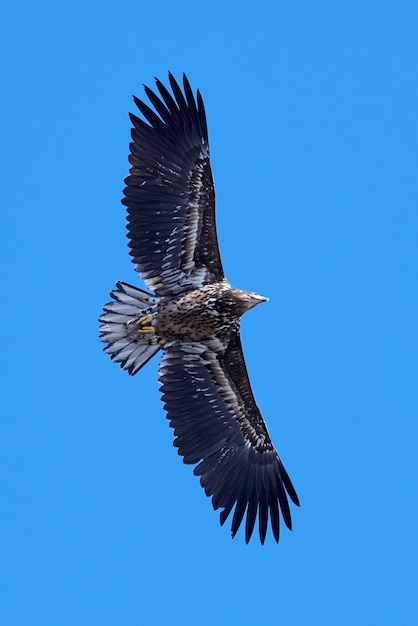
<point x="217" y="424"/>
<point x="169" y="193"/>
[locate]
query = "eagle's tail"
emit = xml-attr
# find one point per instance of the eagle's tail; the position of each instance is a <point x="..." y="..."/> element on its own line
<point x="126" y="329"/>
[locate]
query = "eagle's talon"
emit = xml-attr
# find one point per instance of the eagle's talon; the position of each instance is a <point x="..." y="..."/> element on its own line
<point x="145" y="325"/>
<point x="147" y="330"/>
<point x="145" y="321"/>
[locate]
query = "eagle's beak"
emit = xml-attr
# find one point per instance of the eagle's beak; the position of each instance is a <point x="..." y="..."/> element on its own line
<point x="255" y="299"/>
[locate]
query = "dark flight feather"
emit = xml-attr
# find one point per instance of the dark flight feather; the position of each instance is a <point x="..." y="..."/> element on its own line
<point x="216" y="421"/>
<point x="170" y="195"/>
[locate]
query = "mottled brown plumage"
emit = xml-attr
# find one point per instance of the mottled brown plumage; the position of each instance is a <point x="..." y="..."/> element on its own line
<point x="194" y="316"/>
<point x="204" y="313"/>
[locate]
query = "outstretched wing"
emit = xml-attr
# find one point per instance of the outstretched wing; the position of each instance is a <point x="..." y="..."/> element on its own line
<point x="170" y="194"/>
<point x="217" y="423"/>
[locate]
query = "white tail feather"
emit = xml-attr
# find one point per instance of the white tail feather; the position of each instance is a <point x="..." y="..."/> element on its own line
<point x="124" y="343"/>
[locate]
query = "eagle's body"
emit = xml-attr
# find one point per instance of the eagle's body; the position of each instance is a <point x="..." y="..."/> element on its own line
<point x="204" y="313"/>
<point x="194" y="316"/>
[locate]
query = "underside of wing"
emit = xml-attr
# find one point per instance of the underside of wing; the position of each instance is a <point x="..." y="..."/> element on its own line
<point x="169" y="193"/>
<point x="218" y="425"/>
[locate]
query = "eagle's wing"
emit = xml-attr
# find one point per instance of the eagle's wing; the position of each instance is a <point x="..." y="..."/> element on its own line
<point x="170" y="194"/>
<point x="217" y="423"/>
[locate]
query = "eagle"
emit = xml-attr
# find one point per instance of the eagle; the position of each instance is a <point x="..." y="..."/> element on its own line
<point x="192" y="315"/>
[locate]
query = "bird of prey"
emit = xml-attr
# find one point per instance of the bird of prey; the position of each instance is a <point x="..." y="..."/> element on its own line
<point x="193" y="314"/>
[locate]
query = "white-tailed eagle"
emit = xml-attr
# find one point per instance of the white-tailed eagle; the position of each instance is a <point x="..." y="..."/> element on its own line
<point x="193" y="316"/>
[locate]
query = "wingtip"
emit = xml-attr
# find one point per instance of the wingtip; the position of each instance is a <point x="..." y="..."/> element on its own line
<point x="185" y="80"/>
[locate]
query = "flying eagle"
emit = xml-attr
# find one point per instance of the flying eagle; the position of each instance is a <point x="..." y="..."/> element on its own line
<point x="193" y="316"/>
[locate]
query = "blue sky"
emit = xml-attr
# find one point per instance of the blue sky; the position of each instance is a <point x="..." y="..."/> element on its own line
<point x="312" y="111"/>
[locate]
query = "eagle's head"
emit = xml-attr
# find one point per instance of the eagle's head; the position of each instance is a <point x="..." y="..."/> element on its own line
<point x="250" y="299"/>
<point x="245" y="300"/>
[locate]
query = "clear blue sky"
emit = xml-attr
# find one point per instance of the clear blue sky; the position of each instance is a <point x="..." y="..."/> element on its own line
<point x="312" y="112"/>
